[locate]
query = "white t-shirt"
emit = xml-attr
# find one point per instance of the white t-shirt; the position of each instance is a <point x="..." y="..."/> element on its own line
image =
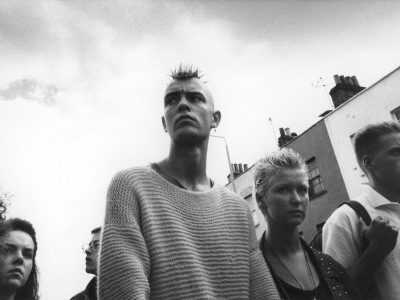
<point x="341" y="238"/>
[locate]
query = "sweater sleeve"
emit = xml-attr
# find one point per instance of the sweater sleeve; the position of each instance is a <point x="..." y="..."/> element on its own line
<point x="262" y="285"/>
<point x="124" y="260"/>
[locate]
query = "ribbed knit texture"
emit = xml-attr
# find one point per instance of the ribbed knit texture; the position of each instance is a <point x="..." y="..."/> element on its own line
<point x="163" y="242"/>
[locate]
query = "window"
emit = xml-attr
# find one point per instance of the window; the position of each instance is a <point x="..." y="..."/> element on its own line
<point x="314" y="179"/>
<point x="396" y="114"/>
<point x="252" y="206"/>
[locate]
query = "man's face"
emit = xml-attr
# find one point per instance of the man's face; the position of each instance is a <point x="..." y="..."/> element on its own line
<point x="385" y="164"/>
<point x="16" y="259"/>
<point x="92" y="254"/>
<point x="189" y="110"/>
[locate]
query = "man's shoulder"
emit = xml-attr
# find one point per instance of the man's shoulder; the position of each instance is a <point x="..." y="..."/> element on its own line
<point x="346" y="214"/>
<point x="229" y="195"/>
<point x="131" y="174"/>
<point x="79" y="296"/>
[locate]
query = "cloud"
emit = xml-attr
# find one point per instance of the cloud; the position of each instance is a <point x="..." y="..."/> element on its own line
<point x="30" y="89"/>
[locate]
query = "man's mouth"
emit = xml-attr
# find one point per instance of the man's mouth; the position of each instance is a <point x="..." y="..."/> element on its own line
<point x="185" y="117"/>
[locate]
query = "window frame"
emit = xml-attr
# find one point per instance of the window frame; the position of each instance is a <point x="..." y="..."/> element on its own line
<point x="314" y="175"/>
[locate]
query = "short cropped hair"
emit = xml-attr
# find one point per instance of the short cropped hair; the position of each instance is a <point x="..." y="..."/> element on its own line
<point x="366" y="139"/>
<point x="31" y="288"/>
<point x="96" y="230"/>
<point x="185" y="72"/>
<point x="267" y="167"/>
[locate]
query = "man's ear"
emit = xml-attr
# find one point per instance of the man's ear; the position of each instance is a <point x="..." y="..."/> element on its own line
<point x="262" y="207"/>
<point x="216" y="118"/>
<point x="367" y="162"/>
<point x="164" y="124"/>
<point x="261" y="204"/>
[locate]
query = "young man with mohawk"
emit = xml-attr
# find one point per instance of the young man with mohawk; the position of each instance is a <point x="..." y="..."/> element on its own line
<point x="170" y="231"/>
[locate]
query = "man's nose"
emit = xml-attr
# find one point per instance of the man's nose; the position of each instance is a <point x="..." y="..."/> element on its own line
<point x="184" y="104"/>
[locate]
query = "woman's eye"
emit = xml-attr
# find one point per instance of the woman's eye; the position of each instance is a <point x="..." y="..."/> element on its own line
<point x="303" y="192"/>
<point x="28" y="255"/>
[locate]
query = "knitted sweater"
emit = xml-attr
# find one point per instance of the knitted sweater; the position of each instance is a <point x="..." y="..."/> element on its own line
<point x="163" y="242"/>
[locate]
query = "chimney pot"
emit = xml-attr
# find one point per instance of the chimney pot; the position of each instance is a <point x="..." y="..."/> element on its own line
<point x="245" y="167"/>
<point x="282" y="132"/>
<point x="337" y="79"/>
<point x="342" y="80"/>
<point x="240" y="168"/>
<point x="287" y="131"/>
<point x="348" y="80"/>
<point x="235" y="169"/>
<point x="355" y="81"/>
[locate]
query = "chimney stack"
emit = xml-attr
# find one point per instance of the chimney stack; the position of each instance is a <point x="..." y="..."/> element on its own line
<point x="285" y="137"/>
<point x="345" y="88"/>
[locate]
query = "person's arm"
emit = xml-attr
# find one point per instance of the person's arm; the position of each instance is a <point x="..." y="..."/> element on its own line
<point x="124" y="266"/>
<point x="382" y="238"/>
<point x="262" y="285"/>
<point x="342" y="239"/>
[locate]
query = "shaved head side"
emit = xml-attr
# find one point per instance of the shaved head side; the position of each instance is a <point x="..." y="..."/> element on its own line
<point x="204" y="88"/>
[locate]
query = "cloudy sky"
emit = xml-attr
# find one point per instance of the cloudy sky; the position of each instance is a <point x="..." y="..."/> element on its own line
<point x="81" y="87"/>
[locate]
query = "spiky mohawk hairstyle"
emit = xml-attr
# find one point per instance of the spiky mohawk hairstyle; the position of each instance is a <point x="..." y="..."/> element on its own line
<point x="185" y="72"/>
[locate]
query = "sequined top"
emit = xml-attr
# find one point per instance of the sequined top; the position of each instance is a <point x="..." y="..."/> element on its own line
<point x="335" y="283"/>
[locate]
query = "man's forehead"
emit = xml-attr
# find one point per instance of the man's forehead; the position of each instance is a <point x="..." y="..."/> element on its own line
<point x="190" y="85"/>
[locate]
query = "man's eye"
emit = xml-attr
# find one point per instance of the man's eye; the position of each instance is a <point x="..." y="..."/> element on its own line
<point x="396" y="152"/>
<point x="171" y="100"/>
<point x="6" y="250"/>
<point x="195" y="98"/>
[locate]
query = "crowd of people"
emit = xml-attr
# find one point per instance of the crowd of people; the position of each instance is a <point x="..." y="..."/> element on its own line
<point x="171" y="232"/>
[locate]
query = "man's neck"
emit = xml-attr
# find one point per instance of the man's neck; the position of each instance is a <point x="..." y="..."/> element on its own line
<point x="387" y="192"/>
<point x="188" y="166"/>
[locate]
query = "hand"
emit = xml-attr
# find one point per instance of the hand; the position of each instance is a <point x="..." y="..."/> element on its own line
<point x="381" y="235"/>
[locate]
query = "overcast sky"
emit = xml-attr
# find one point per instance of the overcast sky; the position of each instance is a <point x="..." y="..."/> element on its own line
<point x="82" y="82"/>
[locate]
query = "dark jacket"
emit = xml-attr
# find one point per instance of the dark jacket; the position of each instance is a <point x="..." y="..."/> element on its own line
<point x="329" y="271"/>
<point x="90" y="293"/>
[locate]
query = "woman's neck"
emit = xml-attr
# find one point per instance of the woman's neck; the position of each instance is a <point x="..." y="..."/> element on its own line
<point x="7" y="295"/>
<point x="284" y="240"/>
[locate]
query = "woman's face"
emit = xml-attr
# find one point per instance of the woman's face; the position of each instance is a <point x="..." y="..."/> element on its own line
<point x="16" y="259"/>
<point x="286" y="200"/>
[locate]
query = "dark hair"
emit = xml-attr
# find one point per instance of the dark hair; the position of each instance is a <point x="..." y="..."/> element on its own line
<point x="185" y="72"/>
<point x="96" y="230"/>
<point x="366" y="139"/>
<point x="31" y="288"/>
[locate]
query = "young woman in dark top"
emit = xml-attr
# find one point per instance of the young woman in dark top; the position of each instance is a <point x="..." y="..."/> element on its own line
<point x="282" y="195"/>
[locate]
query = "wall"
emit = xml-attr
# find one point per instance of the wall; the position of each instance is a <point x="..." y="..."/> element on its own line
<point x="374" y="104"/>
<point x="315" y="142"/>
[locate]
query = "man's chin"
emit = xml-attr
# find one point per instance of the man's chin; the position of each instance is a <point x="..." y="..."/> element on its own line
<point x="91" y="270"/>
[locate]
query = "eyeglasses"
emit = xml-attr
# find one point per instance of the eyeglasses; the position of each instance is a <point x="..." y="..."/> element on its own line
<point x="94" y="246"/>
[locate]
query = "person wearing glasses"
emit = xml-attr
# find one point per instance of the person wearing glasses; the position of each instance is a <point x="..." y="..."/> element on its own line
<point x="91" y="250"/>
